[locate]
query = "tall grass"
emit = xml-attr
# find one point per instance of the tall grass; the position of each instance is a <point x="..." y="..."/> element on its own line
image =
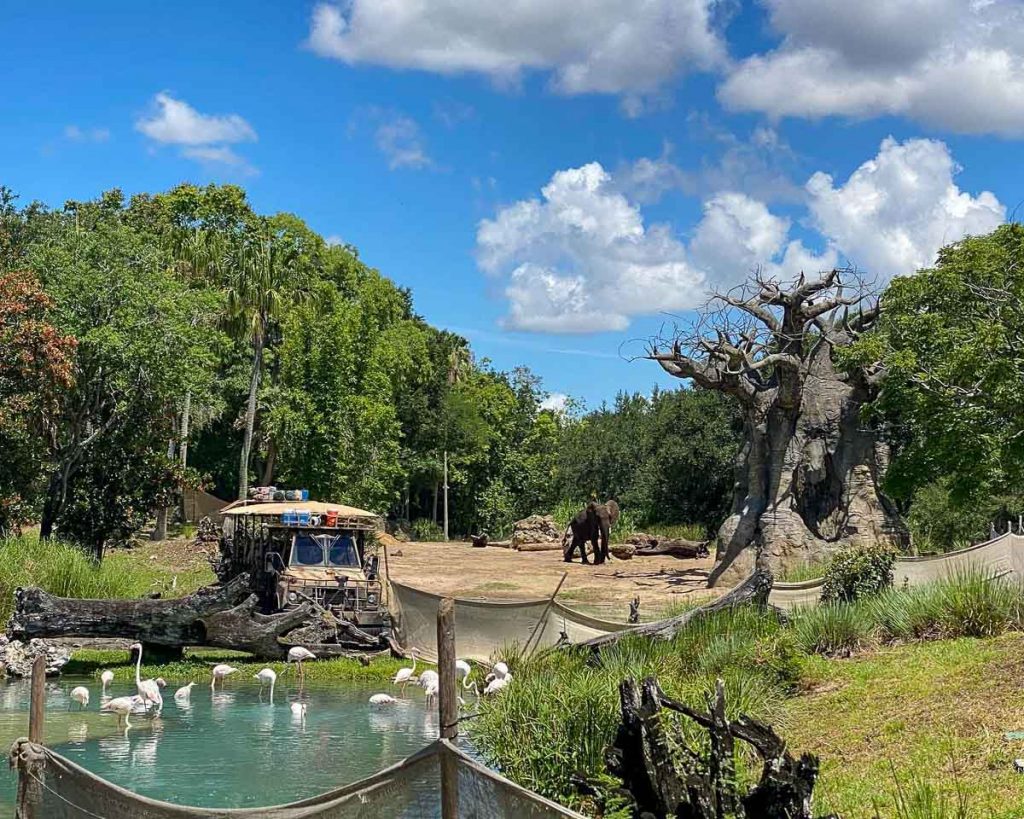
<point x="60" y="569"/>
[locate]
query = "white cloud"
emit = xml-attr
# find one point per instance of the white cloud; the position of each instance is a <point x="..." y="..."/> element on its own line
<point x="74" y="133"/>
<point x="588" y="45"/>
<point x="948" y="63"/>
<point x="581" y="259"/>
<point x="555" y="402"/>
<point x="399" y="138"/>
<point x="178" y="123"/>
<point x="895" y="211"/>
<point x="204" y="138"/>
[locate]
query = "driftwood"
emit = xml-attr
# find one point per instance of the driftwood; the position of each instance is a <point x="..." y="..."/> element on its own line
<point x="754" y="590"/>
<point x="677" y="547"/>
<point x="152" y="622"/>
<point x="244" y="629"/>
<point x="542" y="546"/>
<point x="642" y="758"/>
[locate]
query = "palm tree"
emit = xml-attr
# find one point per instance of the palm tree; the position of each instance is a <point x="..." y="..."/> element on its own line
<point x="259" y="276"/>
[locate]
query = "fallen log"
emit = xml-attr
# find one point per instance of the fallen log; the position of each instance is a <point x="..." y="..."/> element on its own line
<point x="242" y="628"/>
<point x="677" y="547"/>
<point x="541" y="546"/>
<point x="754" y="590"/>
<point x="173" y="623"/>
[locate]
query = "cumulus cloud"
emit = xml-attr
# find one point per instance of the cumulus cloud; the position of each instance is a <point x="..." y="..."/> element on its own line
<point x="555" y="402"/>
<point x="581" y="258"/>
<point x="948" y="63"/>
<point x="587" y="46"/>
<point x="896" y="210"/>
<point x="178" y="123"/>
<point x="205" y="138"/>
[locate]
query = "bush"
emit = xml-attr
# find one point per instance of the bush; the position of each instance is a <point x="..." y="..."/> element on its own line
<point x="976" y="605"/>
<point x="831" y="628"/>
<point x="424" y="529"/>
<point x="858" y="572"/>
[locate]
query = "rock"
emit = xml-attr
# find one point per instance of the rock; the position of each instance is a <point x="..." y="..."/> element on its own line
<point x="535" y="529"/>
<point x="17" y="657"/>
<point x="623" y="551"/>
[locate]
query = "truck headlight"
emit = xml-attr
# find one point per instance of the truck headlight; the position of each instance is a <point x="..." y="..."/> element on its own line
<point x="371" y="598"/>
<point x="293" y="597"/>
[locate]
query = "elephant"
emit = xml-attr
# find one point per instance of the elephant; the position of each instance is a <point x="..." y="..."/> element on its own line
<point x="594" y="523"/>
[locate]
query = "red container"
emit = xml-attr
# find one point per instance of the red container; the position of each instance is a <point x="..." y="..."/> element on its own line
<point x="331" y="517"/>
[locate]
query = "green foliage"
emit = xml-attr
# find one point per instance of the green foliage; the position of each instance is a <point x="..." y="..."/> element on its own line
<point x="831" y="628"/>
<point x="425" y="530"/>
<point x="917" y="798"/>
<point x="953" y="395"/>
<point x="858" y="572"/>
<point x="940" y="523"/>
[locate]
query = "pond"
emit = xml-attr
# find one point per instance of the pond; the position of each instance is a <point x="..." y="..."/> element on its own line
<point x="229" y="748"/>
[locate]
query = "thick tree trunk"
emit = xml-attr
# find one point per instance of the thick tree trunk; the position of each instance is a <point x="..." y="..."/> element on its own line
<point x="250" y="419"/>
<point x="810" y="478"/>
<point x="268" y="467"/>
<point x="162" y="622"/>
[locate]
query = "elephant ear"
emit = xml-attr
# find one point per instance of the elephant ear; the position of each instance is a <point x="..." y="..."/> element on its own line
<point x="613" y="512"/>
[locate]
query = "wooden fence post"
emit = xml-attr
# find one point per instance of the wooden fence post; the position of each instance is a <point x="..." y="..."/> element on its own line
<point x="29" y="790"/>
<point x="448" y="706"/>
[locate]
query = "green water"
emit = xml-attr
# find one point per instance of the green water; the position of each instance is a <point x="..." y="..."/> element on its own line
<point x="227" y="749"/>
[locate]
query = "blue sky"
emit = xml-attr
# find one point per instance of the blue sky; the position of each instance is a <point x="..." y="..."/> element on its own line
<point x="554" y="181"/>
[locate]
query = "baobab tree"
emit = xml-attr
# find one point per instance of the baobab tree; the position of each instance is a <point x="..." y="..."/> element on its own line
<point x="808" y="476"/>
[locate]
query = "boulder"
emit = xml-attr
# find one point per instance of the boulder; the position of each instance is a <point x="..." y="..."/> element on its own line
<point x="623" y="551"/>
<point x="535" y="529"/>
<point x="17" y="657"/>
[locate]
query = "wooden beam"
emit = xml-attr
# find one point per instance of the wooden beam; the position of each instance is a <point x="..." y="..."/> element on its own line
<point x="448" y="705"/>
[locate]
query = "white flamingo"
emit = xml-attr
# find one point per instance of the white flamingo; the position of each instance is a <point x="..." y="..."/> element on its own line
<point x="122" y="706"/>
<point x="149" y="690"/>
<point x="462" y="669"/>
<point x="382" y="699"/>
<point x="498" y="683"/>
<point x="184" y="694"/>
<point x="298" y="655"/>
<point x="80" y="694"/>
<point x="220" y="671"/>
<point x="498" y="671"/>
<point x="430" y="686"/>
<point x="299" y="712"/>
<point x="107" y="677"/>
<point x="266" y="677"/>
<point x="429" y="677"/>
<point x="404" y="675"/>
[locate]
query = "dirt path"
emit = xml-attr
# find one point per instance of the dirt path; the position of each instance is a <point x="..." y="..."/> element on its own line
<point x="459" y="570"/>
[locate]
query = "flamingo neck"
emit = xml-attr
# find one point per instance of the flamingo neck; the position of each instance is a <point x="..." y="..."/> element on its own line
<point x="413" y="671"/>
<point x="138" y="666"/>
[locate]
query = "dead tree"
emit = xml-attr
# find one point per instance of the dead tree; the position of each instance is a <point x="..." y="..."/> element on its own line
<point x="808" y="476"/>
<point x="704" y="786"/>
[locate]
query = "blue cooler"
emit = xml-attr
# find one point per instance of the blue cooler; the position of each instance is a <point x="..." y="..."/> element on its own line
<point x="305" y="494"/>
<point x="303" y="517"/>
<point x="289" y="517"/>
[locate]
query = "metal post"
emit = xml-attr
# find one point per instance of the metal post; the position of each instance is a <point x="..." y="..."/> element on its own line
<point x="448" y="706"/>
<point x="29" y="793"/>
<point x="446" y="496"/>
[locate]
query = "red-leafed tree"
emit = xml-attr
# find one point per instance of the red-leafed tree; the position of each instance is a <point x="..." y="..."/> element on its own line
<point x="36" y="363"/>
<point x="808" y="477"/>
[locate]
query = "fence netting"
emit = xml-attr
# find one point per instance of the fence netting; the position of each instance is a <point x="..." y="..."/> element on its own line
<point x="411" y="789"/>
<point x="484" y="627"/>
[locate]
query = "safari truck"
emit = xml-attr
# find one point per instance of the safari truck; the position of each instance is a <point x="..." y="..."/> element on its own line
<point x="308" y="552"/>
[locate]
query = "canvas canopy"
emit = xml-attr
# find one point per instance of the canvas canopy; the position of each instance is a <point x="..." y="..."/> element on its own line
<point x="277" y="508"/>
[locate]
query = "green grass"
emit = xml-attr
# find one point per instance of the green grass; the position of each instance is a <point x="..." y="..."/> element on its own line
<point x="197" y="664"/>
<point x="799" y="572"/>
<point x="688" y="531"/>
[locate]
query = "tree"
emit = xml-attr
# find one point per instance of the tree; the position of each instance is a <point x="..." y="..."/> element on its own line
<point x="259" y="274"/>
<point x="951" y="342"/>
<point x="809" y="474"/>
<point x="36" y="365"/>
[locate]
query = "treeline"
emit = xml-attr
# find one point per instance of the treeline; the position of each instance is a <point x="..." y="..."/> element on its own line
<point x="181" y="338"/>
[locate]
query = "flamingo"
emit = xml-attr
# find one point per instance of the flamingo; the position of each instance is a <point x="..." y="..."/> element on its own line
<point x="220" y="671"/>
<point x="500" y="670"/>
<point x="149" y="690"/>
<point x="429" y="677"/>
<point x="430" y="686"/>
<point x="122" y="706"/>
<point x="266" y="676"/>
<point x="80" y="694"/>
<point x="107" y="677"/>
<point x="382" y="699"/>
<point x="462" y="669"/>
<point x="184" y="693"/>
<point x="404" y="675"/>
<point x="299" y="712"/>
<point x="299" y="655"/>
<point x="498" y="683"/>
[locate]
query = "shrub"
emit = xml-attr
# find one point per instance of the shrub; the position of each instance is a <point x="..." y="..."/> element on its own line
<point x="858" y="572"/>
<point x="830" y="628"/>
<point x="425" y="530"/>
<point x="976" y="605"/>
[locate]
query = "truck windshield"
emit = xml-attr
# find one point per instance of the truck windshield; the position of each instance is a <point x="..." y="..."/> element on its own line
<point x="325" y="550"/>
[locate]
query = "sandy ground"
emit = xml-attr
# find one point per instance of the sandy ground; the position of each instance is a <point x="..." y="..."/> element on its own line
<point x="495" y="573"/>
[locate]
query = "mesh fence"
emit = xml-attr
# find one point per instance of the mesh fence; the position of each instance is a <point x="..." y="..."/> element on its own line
<point x="410" y="789"/>
<point x="484" y="627"/>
